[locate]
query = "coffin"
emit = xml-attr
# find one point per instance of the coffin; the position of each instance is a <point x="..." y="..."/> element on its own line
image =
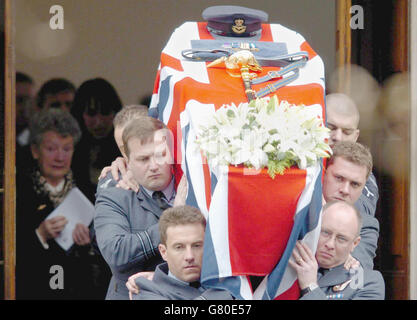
<point x="253" y="220"/>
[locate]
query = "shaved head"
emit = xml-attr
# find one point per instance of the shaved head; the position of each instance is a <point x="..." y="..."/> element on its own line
<point x="342" y="118"/>
<point x="343" y="105"/>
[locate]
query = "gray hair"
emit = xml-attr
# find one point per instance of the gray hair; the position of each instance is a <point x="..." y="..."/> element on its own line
<point x="56" y="120"/>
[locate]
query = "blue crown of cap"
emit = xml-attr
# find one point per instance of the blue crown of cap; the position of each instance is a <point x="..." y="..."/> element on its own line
<point x="224" y="13"/>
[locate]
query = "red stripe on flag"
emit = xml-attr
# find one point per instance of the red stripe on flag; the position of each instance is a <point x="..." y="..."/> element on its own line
<point x="156" y="83"/>
<point x="177" y="136"/>
<point x="266" y="33"/>
<point x="307" y="94"/>
<point x="224" y="89"/>
<point x="169" y="61"/>
<point x="306" y="47"/>
<point x="261" y="215"/>
<point x="207" y="180"/>
<point x="293" y="293"/>
<point x="203" y="32"/>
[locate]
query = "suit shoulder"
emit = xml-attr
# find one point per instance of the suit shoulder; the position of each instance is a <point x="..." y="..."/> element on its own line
<point x="116" y="192"/>
<point x="149" y="290"/>
<point x="117" y="198"/>
<point x="106" y="182"/>
<point x="374" y="275"/>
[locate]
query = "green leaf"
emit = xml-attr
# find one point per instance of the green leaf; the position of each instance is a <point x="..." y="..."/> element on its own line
<point x="278" y="167"/>
<point x="273" y="102"/>
<point x="252" y="104"/>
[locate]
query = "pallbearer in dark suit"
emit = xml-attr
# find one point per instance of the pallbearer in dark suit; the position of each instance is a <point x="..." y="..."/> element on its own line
<point x="126" y="221"/>
<point x="182" y="238"/>
<point x="347" y="172"/>
<point x="340" y="229"/>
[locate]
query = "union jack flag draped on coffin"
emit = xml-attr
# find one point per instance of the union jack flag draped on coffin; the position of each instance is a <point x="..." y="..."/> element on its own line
<point x="253" y="221"/>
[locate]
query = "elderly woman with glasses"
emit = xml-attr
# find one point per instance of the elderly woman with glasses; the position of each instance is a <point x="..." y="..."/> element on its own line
<point x="44" y="270"/>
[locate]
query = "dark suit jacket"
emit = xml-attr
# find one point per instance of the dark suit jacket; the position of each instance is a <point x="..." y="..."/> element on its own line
<point x="126" y="225"/>
<point x="367" y="202"/>
<point x="339" y="283"/>
<point x="365" y="252"/>
<point x="164" y="287"/>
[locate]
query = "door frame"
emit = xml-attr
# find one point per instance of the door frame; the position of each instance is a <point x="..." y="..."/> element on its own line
<point x="9" y="177"/>
<point x="413" y="150"/>
<point x="343" y="55"/>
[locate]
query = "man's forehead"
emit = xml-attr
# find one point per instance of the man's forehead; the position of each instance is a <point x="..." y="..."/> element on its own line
<point x="345" y="121"/>
<point x="64" y="97"/>
<point x="340" y="219"/>
<point x="176" y="234"/>
<point x="146" y="144"/>
<point x="147" y="147"/>
<point x="182" y="239"/>
<point x="350" y="169"/>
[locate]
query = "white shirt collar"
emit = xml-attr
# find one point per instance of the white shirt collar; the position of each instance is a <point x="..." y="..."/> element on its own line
<point x="23" y="137"/>
<point x="172" y="276"/>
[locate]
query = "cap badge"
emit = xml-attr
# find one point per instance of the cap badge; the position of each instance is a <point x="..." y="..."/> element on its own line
<point x="239" y="26"/>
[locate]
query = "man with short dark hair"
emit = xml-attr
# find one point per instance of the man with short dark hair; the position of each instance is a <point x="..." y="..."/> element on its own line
<point x="339" y="235"/>
<point x="182" y="240"/>
<point x="347" y="171"/>
<point x="56" y="93"/>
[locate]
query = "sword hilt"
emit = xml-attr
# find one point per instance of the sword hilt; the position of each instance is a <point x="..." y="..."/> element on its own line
<point x="246" y="77"/>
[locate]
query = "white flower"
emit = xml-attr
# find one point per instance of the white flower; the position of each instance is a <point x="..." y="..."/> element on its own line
<point x="264" y="132"/>
<point x="269" y="148"/>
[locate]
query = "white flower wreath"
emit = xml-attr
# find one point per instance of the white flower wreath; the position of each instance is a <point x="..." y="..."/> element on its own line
<point x="264" y="133"/>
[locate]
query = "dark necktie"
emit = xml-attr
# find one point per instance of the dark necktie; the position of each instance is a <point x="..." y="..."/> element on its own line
<point x="195" y="284"/>
<point x="321" y="272"/>
<point x="160" y="199"/>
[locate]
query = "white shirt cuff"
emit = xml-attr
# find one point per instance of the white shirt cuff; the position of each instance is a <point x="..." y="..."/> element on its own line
<point x="44" y="244"/>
